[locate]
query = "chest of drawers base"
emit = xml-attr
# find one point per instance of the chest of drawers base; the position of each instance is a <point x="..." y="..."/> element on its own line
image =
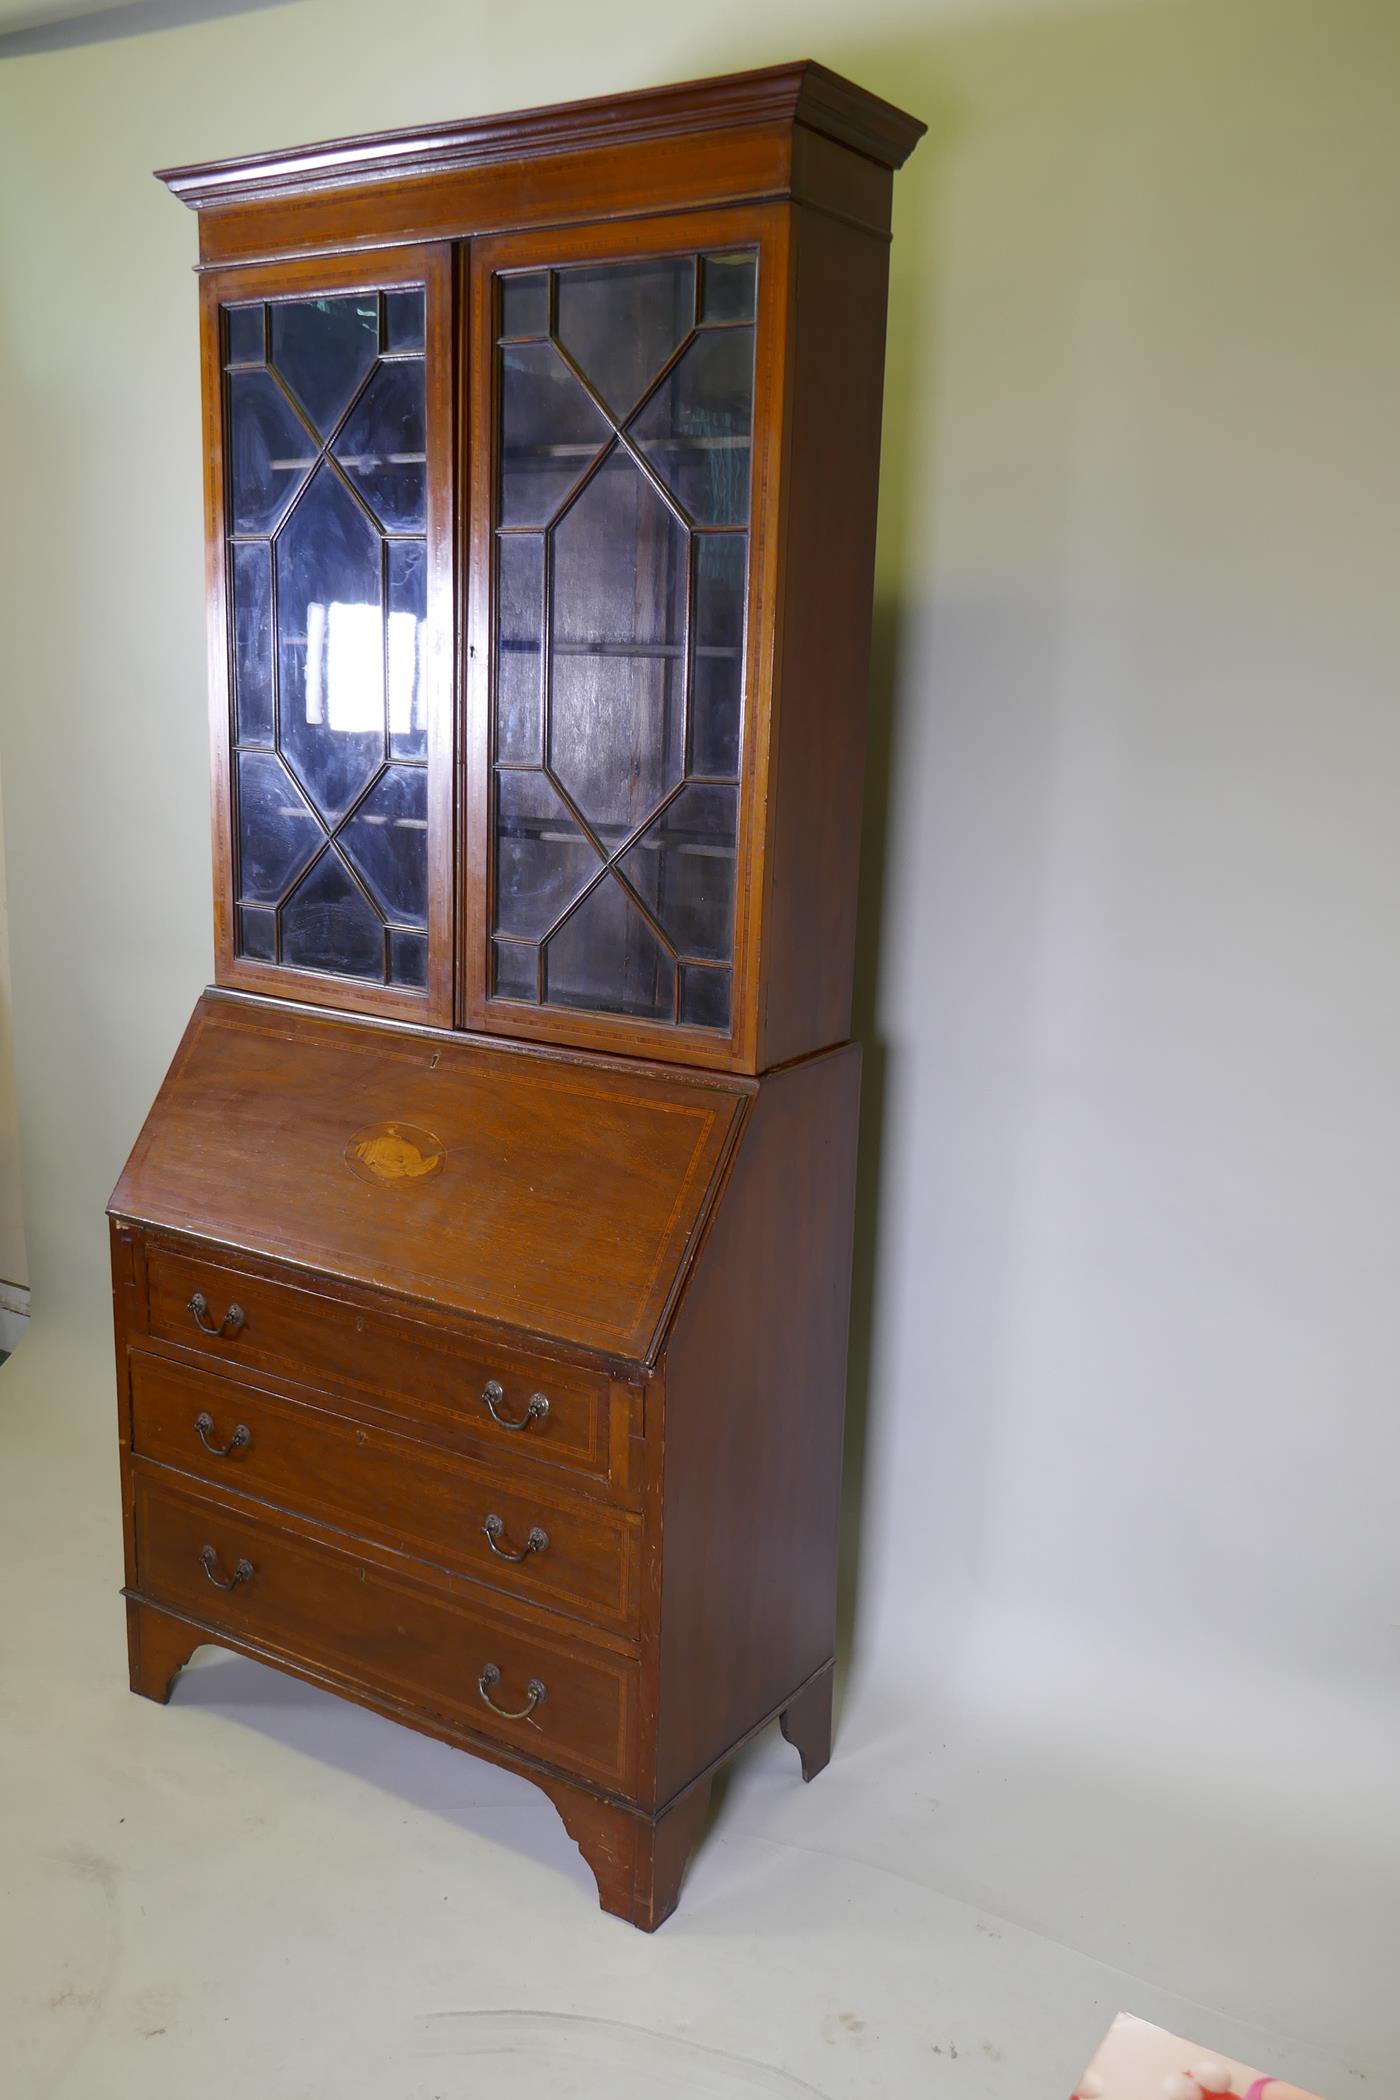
<point x="605" y="1573"/>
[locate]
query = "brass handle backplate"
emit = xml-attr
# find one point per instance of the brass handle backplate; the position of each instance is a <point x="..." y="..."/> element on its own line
<point x="491" y="1675"/>
<point x="231" y="1322"/>
<point x="241" y="1437"/>
<point x="536" y="1408"/>
<point x="209" y="1560"/>
<point x="537" y="1542"/>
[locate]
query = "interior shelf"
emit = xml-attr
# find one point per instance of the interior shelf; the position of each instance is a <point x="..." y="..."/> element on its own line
<point x="681" y="441"/>
<point x="548" y="833"/>
<point x="529" y="646"/>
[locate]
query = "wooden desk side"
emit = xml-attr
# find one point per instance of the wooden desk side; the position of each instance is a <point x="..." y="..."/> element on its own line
<point x="752" y="1421"/>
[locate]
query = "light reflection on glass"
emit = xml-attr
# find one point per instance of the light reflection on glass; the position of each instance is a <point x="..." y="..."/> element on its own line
<point x="345" y="672"/>
<point x="407" y="636"/>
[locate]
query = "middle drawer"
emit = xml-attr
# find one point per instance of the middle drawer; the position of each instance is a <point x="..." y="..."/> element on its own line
<point x="574" y="1555"/>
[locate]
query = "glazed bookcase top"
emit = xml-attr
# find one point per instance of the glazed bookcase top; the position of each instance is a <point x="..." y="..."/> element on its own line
<point x="541" y="462"/>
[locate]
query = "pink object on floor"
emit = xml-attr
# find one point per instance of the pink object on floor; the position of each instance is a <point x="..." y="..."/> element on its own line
<point x="1137" y="2061"/>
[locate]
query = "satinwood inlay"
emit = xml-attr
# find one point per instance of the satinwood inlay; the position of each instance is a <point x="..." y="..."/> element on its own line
<point x="395" y="1153"/>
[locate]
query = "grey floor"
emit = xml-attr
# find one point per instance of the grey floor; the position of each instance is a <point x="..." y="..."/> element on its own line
<point x="261" y="1892"/>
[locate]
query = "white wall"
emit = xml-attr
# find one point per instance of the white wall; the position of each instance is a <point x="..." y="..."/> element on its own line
<point x="1125" y="1441"/>
<point x="1139" y="984"/>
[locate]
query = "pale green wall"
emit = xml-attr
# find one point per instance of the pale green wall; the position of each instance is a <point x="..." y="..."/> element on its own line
<point x="14" y="1260"/>
<point x="1131" y="1162"/>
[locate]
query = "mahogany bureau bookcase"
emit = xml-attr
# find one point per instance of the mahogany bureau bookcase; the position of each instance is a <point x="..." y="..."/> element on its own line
<point x="482" y="1270"/>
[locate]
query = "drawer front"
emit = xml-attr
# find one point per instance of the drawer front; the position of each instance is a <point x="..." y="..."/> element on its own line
<point x="313" y="1599"/>
<point x="578" y="1556"/>
<point x="396" y="1362"/>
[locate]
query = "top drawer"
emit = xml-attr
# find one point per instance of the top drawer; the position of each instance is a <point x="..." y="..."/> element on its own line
<point x="512" y="1404"/>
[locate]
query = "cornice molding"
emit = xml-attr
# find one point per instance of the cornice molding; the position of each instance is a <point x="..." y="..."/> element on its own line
<point x="802" y="93"/>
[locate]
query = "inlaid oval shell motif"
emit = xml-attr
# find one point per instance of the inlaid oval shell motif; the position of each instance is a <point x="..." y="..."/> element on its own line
<point x="397" y="1153"/>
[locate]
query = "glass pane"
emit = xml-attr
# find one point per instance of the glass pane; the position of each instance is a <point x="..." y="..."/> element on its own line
<point x="727" y="284"/>
<point x="704" y="998"/>
<point x="270" y="451"/>
<point x="525" y="304"/>
<point x="621" y="322"/>
<point x="382" y="446"/>
<point x="550" y="431"/>
<point x="617" y="723"/>
<point x="605" y="957"/>
<point x="277" y="833"/>
<point x="257" y="934"/>
<point x="405" y="320"/>
<point x="328" y="925"/>
<point x="519" y="659"/>
<point x="407" y="648"/>
<point x="408" y="960"/>
<point x="516" y="970"/>
<point x="387" y="842"/>
<point x="721" y="560"/>
<point x="636" y="710"/>
<point x="331" y="645"/>
<point x="683" y="870"/>
<point x="543" y="860"/>
<point x="328" y="616"/>
<point x="252" y="644"/>
<point x="696" y="429"/>
<point x="323" y="348"/>
<point x="243" y="327"/>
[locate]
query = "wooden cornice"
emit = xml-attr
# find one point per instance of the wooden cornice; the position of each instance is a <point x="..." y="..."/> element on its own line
<point x="803" y="94"/>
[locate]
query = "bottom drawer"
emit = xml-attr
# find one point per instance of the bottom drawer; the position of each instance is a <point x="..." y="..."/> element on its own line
<point x="321" y="1604"/>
